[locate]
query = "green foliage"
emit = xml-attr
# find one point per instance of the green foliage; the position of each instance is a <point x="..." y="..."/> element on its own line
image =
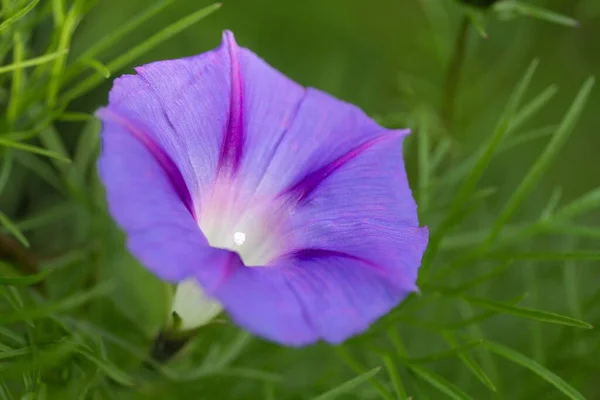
<point x="507" y="284"/>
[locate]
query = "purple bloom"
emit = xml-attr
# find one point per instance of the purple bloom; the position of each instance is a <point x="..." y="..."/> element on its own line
<point x="287" y="207"/>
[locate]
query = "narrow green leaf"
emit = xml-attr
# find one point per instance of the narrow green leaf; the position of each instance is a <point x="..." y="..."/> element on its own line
<point x="548" y="210"/>
<point x="26" y="280"/>
<point x="51" y="357"/>
<point x="476" y="332"/>
<point x="542" y="316"/>
<point x="270" y="392"/>
<point x="41" y="168"/>
<point x="477" y="21"/>
<point x="49" y="308"/>
<point x="12" y="228"/>
<point x="441" y="384"/>
<point x="470" y="239"/>
<point x="439" y="355"/>
<point x="17" y="80"/>
<point x="74" y="117"/>
<point x="529" y="110"/>
<point x="567" y="229"/>
<point x="395" y="377"/>
<point x="32" y="62"/>
<point x="246" y="373"/>
<point x="423" y="139"/>
<point x="45" y="217"/>
<point x="52" y="141"/>
<point x="66" y="29"/>
<point x="18" y="15"/>
<point x="590" y="255"/>
<point x="32" y="149"/>
<point x="13" y="337"/>
<point x="482" y="160"/>
<point x="502" y="129"/>
<point x="233" y="351"/>
<point x="543" y="162"/>
<point x="87" y="145"/>
<point x="98" y="67"/>
<point x="533" y="366"/>
<point x="572" y="286"/>
<point x="528" y="136"/>
<point x="5" y="394"/>
<point x="470" y="363"/>
<point x="7" y="164"/>
<point x="12" y="353"/>
<point x="359" y="369"/>
<point x="58" y="12"/>
<point x="476" y="320"/>
<point x="585" y="203"/>
<point x="114" y="36"/>
<point x="440" y="153"/>
<point x="529" y="10"/>
<point x="349" y="386"/>
<point x="111" y="370"/>
<point x="94" y="331"/>
<point x="131" y="55"/>
<point x="470" y="284"/>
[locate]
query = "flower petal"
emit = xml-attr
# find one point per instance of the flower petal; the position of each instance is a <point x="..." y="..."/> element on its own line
<point x="185" y="103"/>
<point x="142" y="198"/>
<point x="357" y="245"/>
<point x="180" y="129"/>
<point x="365" y="209"/>
<point x="262" y="301"/>
<point x="225" y="109"/>
<point x="308" y="297"/>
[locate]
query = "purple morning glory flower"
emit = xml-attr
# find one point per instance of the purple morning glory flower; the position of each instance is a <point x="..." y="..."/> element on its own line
<point x="286" y="207"/>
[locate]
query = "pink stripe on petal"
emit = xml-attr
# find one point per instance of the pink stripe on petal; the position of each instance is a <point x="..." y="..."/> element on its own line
<point x="232" y="147"/>
<point x="303" y="188"/>
<point x="157" y="152"/>
<point x="312" y="254"/>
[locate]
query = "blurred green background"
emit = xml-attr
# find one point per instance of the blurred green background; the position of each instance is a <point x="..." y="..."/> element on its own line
<point x="367" y="52"/>
<point x="391" y="58"/>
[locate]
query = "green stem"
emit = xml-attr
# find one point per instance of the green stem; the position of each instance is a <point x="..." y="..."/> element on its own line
<point x="454" y="72"/>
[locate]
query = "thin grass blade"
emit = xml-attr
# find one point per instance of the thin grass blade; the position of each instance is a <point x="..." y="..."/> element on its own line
<point x="51" y="308"/>
<point x="529" y="10"/>
<point x="12" y="228"/>
<point x="349" y="386"/>
<point x="582" y="205"/>
<point x="395" y="377"/>
<point x="518" y="358"/>
<point x="18" y="15"/>
<point x="131" y="55"/>
<point x="469" y="362"/>
<point x="528" y="313"/>
<point x="543" y="162"/>
<point x="32" y="149"/>
<point x="480" y="165"/>
<point x="441" y="384"/>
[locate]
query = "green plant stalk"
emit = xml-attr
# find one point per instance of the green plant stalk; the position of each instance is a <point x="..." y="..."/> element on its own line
<point x="17" y="80"/>
<point x="453" y="74"/>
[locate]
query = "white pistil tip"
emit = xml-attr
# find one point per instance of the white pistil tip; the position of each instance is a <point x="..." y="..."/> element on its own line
<point x="239" y="238"/>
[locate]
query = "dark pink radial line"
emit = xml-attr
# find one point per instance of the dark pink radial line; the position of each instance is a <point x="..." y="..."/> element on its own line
<point x="304" y="187"/>
<point x="310" y="254"/>
<point x="233" y="139"/>
<point x="163" y="159"/>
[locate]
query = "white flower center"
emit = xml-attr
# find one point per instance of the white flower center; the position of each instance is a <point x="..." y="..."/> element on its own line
<point x="241" y="221"/>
